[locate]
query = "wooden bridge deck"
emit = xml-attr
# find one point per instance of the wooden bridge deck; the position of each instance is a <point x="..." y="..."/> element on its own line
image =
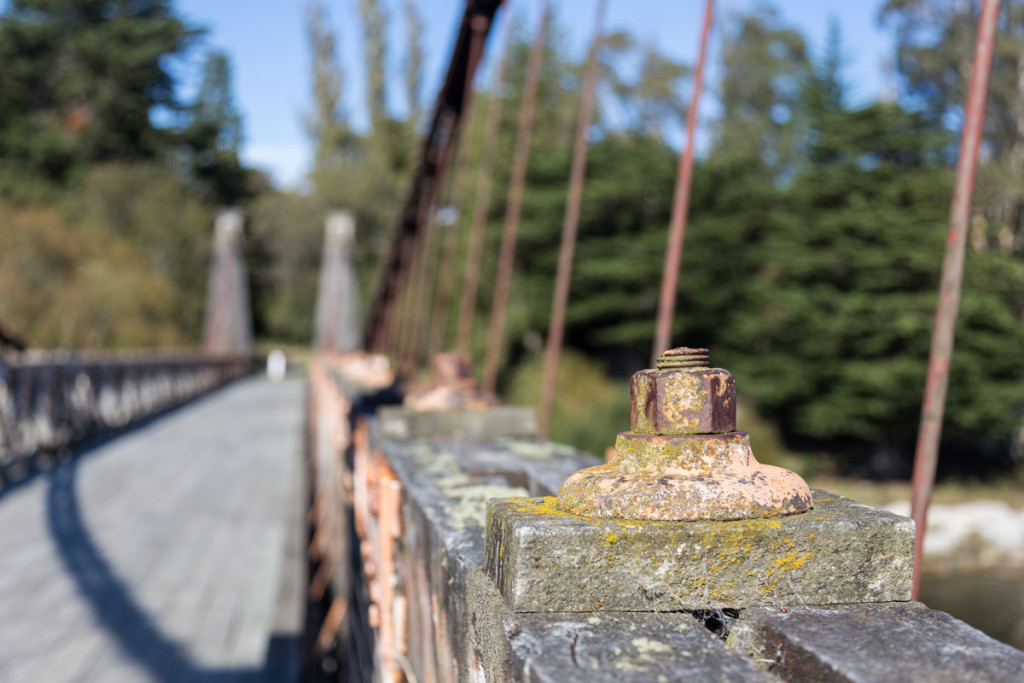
<point x="173" y="552"/>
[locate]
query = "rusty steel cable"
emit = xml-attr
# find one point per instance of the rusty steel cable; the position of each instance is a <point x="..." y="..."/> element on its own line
<point x="434" y="247"/>
<point x="424" y="286"/>
<point x="456" y="193"/>
<point x="446" y="275"/>
<point x="680" y="207"/>
<point x="446" y="229"/>
<point x="934" y="402"/>
<point x="482" y="202"/>
<point x="405" y="312"/>
<point x="410" y="219"/>
<point x="457" y="180"/>
<point x="431" y="258"/>
<point x="423" y="281"/>
<point x="570" y="228"/>
<point x="392" y="323"/>
<point x="514" y="205"/>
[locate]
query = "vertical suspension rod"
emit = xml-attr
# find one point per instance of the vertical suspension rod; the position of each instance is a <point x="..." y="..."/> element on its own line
<point x="428" y="270"/>
<point x="934" y="403"/>
<point x="482" y="202"/>
<point x="410" y="219"/>
<point x="507" y="255"/>
<point x="570" y="228"/>
<point x="390" y="335"/>
<point x="407" y="302"/>
<point x="442" y="300"/>
<point x="680" y="208"/>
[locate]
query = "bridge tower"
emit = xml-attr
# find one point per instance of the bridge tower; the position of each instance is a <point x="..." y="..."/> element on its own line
<point x="337" y="324"/>
<point x="228" y="324"/>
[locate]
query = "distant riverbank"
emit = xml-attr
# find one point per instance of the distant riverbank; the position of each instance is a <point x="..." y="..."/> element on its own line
<point x="976" y="534"/>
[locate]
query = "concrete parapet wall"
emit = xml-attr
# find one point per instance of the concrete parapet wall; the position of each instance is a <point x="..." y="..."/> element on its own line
<point x="421" y="593"/>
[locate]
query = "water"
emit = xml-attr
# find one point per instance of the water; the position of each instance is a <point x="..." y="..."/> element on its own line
<point x="991" y="600"/>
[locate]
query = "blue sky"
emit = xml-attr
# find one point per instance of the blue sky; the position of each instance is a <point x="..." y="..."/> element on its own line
<point x="266" y="42"/>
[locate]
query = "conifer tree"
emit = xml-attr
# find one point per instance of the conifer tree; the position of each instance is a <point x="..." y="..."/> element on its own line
<point x="79" y="80"/>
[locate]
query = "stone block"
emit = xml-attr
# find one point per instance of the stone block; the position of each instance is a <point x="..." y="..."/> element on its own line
<point x="616" y="648"/>
<point x="402" y="424"/>
<point x="903" y="641"/>
<point x="545" y="560"/>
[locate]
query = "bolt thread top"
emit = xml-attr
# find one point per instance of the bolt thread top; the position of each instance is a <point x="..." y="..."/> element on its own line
<point x="683" y="357"/>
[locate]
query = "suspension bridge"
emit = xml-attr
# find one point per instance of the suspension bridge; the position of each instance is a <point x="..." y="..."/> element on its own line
<point x="181" y="517"/>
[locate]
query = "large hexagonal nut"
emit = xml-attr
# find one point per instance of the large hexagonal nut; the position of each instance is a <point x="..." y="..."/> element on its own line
<point x="683" y="401"/>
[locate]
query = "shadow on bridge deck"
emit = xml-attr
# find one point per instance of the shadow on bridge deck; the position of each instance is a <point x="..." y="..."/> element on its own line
<point x="191" y="573"/>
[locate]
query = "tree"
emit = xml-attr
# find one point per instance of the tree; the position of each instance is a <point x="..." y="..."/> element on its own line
<point x="627" y="195"/>
<point x="935" y="44"/>
<point x="764" y="65"/>
<point x="327" y="123"/>
<point x="847" y="287"/>
<point x="158" y="212"/>
<point x="412" y="65"/>
<point x="79" y="80"/>
<point x="213" y="135"/>
<point x="365" y="172"/>
<point x="285" y="234"/>
<point x="74" y="284"/>
<point x="738" y="193"/>
<point x="375" y="24"/>
<point x="625" y="209"/>
<point x="647" y="102"/>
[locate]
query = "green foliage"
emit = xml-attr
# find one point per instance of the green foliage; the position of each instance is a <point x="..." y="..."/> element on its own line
<point x="213" y="136"/>
<point x="374" y="16"/>
<point x="412" y="65"/>
<point x="812" y="257"/>
<point x="648" y="102"/>
<point x="77" y="285"/>
<point x="81" y="84"/>
<point x="326" y="123"/>
<point x="621" y="248"/>
<point x="79" y="80"/>
<point x="589" y="410"/>
<point x="152" y="208"/>
<point x="764" y="65"/>
<point x="366" y="174"/>
<point x="285" y="234"/>
<point x="846" y="292"/>
<point x="934" y="47"/>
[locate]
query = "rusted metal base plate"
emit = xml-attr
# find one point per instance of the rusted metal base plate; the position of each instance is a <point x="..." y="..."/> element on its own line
<point x="545" y="560"/>
<point x="693" y="477"/>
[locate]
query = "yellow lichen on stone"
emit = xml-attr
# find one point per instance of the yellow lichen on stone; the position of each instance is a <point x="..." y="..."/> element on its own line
<point x="791" y="561"/>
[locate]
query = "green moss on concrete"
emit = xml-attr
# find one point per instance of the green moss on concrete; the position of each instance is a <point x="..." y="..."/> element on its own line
<point x="549" y="560"/>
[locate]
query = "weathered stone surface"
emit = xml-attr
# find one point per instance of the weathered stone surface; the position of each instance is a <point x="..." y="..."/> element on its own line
<point x="885" y="642"/>
<point x="402" y="424"/>
<point x="545" y="560"/>
<point x="621" y="647"/>
<point x="455" y="614"/>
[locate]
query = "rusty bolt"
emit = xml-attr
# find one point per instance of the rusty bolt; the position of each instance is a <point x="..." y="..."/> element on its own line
<point x="683" y="396"/>
<point x="684" y="459"/>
